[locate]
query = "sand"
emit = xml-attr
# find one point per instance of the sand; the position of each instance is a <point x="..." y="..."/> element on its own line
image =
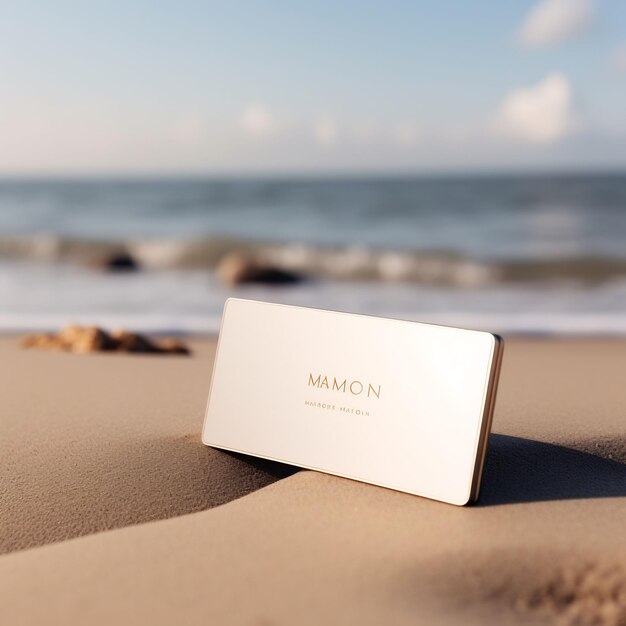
<point x="193" y="535"/>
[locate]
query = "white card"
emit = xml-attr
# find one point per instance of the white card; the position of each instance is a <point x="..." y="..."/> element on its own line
<point x="394" y="403"/>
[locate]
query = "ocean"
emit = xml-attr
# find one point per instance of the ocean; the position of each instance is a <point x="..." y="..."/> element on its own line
<point x="518" y="254"/>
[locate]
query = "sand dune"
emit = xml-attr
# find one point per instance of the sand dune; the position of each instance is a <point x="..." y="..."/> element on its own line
<point x="105" y="441"/>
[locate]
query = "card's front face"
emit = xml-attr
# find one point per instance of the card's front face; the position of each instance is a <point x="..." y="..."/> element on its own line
<point x="394" y="403"/>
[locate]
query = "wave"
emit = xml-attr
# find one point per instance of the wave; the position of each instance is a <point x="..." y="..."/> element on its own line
<point x="437" y="268"/>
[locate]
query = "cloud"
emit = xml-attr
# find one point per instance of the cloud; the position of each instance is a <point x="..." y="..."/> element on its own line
<point x="552" y="21"/>
<point x="618" y="59"/>
<point x="325" y="132"/>
<point x="257" y="120"/>
<point x="405" y="134"/>
<point x="539" y="114"/>
<point x="188" y="130"/>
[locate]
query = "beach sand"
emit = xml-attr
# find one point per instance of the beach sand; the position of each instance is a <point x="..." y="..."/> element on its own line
<point x="193" y="535"/>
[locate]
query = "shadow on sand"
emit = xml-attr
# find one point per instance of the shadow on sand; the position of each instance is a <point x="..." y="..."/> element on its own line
<point x="520" y="470"/>
<point x="524" y="470"/>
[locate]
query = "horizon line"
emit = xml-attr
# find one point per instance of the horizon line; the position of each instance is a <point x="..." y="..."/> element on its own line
<point x="311" y="174"/>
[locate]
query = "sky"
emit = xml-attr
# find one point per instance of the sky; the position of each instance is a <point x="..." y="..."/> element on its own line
<point x="141" y="87"/>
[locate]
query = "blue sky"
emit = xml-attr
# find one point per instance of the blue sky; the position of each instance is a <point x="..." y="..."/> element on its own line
<point x="141" y="87"/>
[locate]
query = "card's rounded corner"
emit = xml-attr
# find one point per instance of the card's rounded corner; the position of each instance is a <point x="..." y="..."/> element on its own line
<point x="203" y="438"/>
<point x="467" y="499"/>
<point x="228" y="301"/>
<point x="498" y="340"/>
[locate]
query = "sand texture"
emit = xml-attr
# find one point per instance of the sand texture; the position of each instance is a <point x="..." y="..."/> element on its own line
<point x="99" y="442"/>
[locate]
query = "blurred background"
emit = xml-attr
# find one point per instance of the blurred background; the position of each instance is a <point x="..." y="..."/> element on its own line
<point x="453" y="162"/>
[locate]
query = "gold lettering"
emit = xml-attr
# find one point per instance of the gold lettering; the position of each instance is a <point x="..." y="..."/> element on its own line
<point x="371" y="389"/>
<point x="338" y="387"/>
<point x="316" y="382"/>
<point x="352" y="384"/>
<point x="356" y="387"/>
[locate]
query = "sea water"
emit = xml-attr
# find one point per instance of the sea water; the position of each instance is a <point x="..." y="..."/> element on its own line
<point x="509" y="254"/>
